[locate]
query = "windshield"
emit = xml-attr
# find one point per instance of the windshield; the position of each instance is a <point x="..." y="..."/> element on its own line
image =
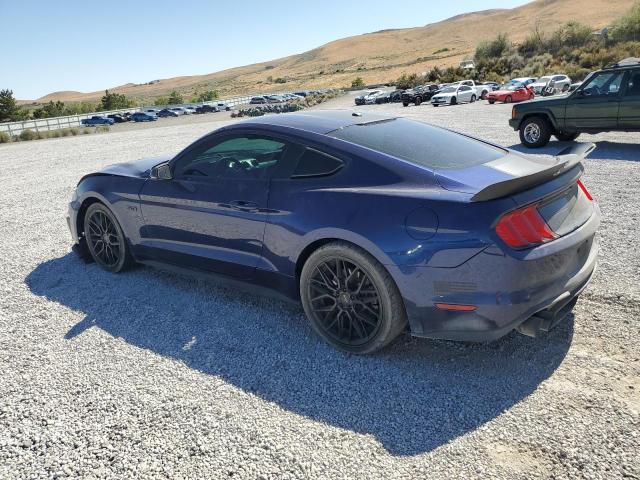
<point x="420" y="143"/>
<point x="544" y="79"/>
<point x="449" y="89"/>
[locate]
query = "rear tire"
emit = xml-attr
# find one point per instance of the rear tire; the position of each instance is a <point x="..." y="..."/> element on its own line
<point x="491" y="102"/>
<point x="566" y="137"/>
<point x="508" y="99"/>
<point x="473" y="98"/>
<point x="105" y="240"/>
<point x="454" y="100"/>
<point x="405" y="104"/>
<point x="535" y="132"/>
<point x="418" y="101"/>
<point x="350" y="300"/>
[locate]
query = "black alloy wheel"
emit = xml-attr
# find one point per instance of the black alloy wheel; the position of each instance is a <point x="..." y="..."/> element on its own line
<point x="105" y="239"/>
<point x="350" y="299"/>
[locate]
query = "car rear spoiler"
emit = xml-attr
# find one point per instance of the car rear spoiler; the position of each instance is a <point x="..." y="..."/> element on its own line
<point x="567" y="159"/>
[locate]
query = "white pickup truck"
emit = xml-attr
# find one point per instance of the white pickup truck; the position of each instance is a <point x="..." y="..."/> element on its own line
<point x="480" y="89"/>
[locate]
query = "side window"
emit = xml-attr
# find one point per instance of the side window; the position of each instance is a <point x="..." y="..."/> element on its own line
<point x="313" y="163"/>
<point x="233" y="158"/>
<point x="603" y="84"/>
<point x="633" y="87"/>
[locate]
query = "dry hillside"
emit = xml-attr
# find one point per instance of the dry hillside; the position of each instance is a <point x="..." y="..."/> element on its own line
<point x="381" y="56"/>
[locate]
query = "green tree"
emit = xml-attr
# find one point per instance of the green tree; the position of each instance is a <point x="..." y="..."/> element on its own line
<point x="207" y="96"/>
<point x="161" y="101"/>
<point x="114" y="101"/>
<point x="49" y="110"/>
<point x="175" y="98"/>
<point x="10" y="111"/>
<point x="492" y="48"/>
<point x="357" y="83"/>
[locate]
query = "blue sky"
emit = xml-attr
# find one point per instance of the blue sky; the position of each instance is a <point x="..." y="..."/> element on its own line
<point x="89" y="45"/>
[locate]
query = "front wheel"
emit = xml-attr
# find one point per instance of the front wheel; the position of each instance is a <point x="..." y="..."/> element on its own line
<point x="491" y="102"/>
<point x="405" y="104"/>
<point x="106" y="242"/>
<point x="566" y="137"/>
<point x="350" y="300"/>
<point x="418" y="101"/>
<point x="508" y="99"/>
<point x="535" y="132"/>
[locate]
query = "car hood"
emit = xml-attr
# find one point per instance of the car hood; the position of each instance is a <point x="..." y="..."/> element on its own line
<point x="137" y="168"/>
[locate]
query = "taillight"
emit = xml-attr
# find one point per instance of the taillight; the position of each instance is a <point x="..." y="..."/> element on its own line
<point x="584" y="190"/>
<point x="524" y="227"/>
<point x="513" y="112"/>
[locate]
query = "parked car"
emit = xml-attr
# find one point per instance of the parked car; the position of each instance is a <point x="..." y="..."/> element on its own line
<point x="302" y="93"/>
<point x="483" y="247"/>
<point x="454" y="94"/>
<point x="144" y="117"/>
<point x="190" y="110"/>
<point x="419" y="94"/>
<point x="258" y="100"/>
<point x="180" y="110"/>
<point x="152" y="111"/>
<point x="362" y="99"/>
<point x="223" y="106"/>
<point x="166" y="112"/>
<point x="608" y="100"/>
<point x="481" y="89"/>
<point x="551" y="84"/>
<point x="396" y="95"/>
<point x="515" y="92"/>
<point x="492" y="85"/>
<point x="521" y="81"/>
<point x="118" y="118"/>
<point x="97" y="120"/>
<point x="207" y="109"/>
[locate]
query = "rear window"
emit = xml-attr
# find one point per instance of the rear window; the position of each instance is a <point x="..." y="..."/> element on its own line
<point x="420" y="144"/>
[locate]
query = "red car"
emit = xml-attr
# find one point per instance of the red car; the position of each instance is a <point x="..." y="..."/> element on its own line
<point x="513" y="93"/>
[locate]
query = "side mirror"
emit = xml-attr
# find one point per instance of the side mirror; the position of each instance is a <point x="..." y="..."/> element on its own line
<point x="161" y="172"/>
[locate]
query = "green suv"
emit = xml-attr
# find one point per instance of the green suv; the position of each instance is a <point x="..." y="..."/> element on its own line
<point x="607" y="100"/>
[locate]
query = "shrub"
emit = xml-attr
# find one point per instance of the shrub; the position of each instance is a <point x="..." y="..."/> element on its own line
<point x="175" y="98"/>
<point x="55" y="134"/>
<point x="4" y="137"/>
<point x="102" y="128"/>
<point x="357" y="82"/>
<point x="73" y="131"/>
<point x="492" y="48"/>
<point x="27" y="134"/>
<point x="627" y="28"/>
<point x="86" y="131"/>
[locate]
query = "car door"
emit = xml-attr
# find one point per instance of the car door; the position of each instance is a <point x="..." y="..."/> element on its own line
<point x="595" y="105"/>
<point x="464" y="93"/>
<point x="629" y="112"/>
<point x="211" y="213"/>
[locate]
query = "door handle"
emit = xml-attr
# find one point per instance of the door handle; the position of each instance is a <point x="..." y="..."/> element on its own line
<point x="243" y="205"/>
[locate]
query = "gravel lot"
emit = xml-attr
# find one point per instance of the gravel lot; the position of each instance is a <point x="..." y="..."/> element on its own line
<point x="153" y="375"/>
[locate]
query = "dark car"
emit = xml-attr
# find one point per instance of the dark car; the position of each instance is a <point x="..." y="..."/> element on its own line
<point x="396" y="96"/>
<point x="97" y="120"/>
<point x="607" y="100"/>
<point x="207" y="109"/>
<point x="165" y="112"/>
<point x="373" y="222"/>
<point x="144" y="117"/>
<point x="118" y="118"/>
<point x="418" y="94"/>
<point x="258" y="100"/>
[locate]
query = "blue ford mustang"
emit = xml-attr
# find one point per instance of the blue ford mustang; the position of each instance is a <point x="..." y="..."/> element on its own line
<point x="376" y="224"/>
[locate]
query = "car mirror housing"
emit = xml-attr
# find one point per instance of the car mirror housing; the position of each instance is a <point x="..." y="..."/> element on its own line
<point x="161" y="172"/>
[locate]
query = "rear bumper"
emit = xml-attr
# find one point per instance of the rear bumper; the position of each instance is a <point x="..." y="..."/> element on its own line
<point x="506" y="290"/>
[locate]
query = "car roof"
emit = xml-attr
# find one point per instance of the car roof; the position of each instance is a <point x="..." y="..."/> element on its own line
<point x="316" y="121"/>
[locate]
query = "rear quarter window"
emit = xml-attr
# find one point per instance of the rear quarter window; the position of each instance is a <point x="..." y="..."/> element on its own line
<point x="313" y="163"/>
<point x="420" y="144"/>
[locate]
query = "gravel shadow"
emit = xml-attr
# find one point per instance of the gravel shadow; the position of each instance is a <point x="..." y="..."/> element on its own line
<point x="604" y="150"/>
<point x="414" y="397"/>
